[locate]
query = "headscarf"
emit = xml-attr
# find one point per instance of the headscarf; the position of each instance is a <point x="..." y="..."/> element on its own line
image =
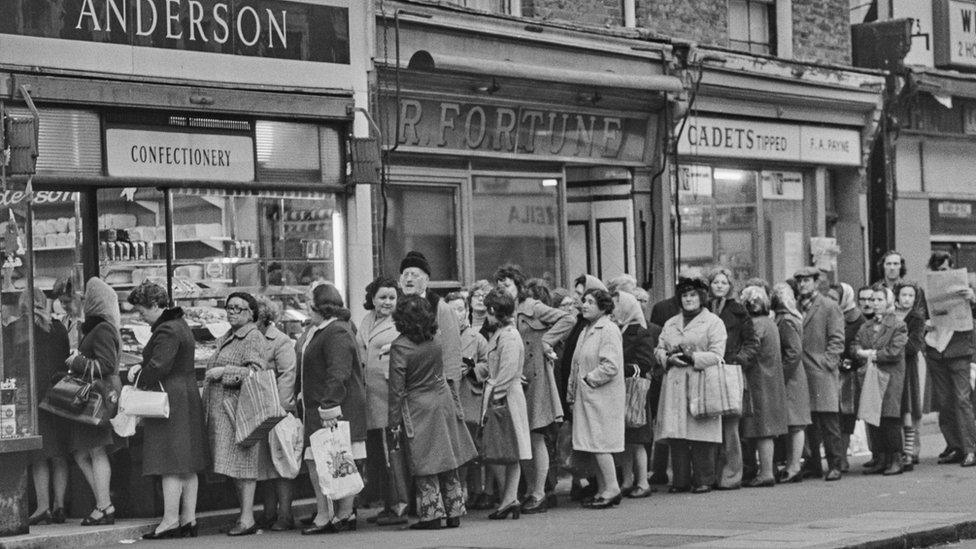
<point x="42" y="314"/>
<point x="593" y="283"/>
<point x="847" y="300"/>
<point x="102" y="301"/>
<point x="628" y="311"/>
<point x="786" y="300"/>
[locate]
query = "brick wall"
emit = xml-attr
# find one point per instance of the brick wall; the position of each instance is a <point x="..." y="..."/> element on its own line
<point x="821" y="28"/>
<point x="822" y="31"/>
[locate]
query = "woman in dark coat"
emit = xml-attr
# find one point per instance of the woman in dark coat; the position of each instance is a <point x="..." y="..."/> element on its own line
<point x="638" y="362"/>
<point x="767" y="388"/>
<point x="789" y="324"/>
<point x="882" y="340"/>
<point x="425" y="416"/>
<point x="850" y="383"/>
<point x="911" y="400"/>
<point x="740" y="348"/>
<point x="333" y="387"/>
<point x="97" y="355"/>
<point x="176" y="447"/>
<point x="50" y="351"/>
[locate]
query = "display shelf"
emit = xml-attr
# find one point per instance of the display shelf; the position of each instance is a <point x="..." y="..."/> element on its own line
<point x="55" y="248"/>
<point x="221" y="293"/>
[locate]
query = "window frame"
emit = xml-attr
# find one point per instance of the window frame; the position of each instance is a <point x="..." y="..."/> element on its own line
<point x="769" y="47"/>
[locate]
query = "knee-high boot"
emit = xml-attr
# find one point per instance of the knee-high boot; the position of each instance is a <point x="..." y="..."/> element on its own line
<point x="908" y="447"/>
<point x="845" y="440"/>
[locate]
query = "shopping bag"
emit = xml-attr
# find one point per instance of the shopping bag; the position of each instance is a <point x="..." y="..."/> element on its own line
<point x="258" y="408"/>
<point x="636" y="388"/>
<point x="287" y="441"/>
<point x="872" y="394"/>
<point x="850" y="392"/>
<point x="716" y="391"/>
<point x="140" y="403"/>
<point x="123" y="424"/>
<point x="334" y="464"/>
<point x="499" y="440"/>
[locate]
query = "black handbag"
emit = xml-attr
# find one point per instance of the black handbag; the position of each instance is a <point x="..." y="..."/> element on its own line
<point x="88" y="401"/>
<point x="499" y="439"/>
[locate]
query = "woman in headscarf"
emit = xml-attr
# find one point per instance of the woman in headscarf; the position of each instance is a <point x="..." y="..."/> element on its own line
<point x="906" y="296"/>
<point x="97" y="355"/>
<point x="882" y="340"/>
<point x="789" y="323"/>
<point x="767" y="389"/>
<point x="50" y="351"/>
<point x="638" y="347"/>
<point x="849" y="381"/>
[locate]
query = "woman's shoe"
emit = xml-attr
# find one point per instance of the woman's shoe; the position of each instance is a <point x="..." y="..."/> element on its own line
<point x="679" y="489"/>
<point x="239" y="530"/>
<point x="58" y="516"/>
<point x="189" y="530"/>
<point x="502" y="513"/>
<point x="169" y="533"/>
<point x="639" y="493"/>
<point x="534" y="505"/>
<point x="701" y="489"/>
<point x="452" y="522"/>
<point x="43" y="518"/>
<point x="605" y="503"/>
<point x="283" y="524"/>
<point x="786" y="478"/>
<point x="104" y="520"/>
<point x="760" y="483"/>
<point x="426" y="525"/>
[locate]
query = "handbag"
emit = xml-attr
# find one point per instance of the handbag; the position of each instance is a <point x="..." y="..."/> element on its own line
<point x="88" y="401"/>
<point x="258" y="408"/>
<point x="287" y="442"/>
<point x="141" y="403"/>
<point x="332" y="452"/>
<point x="636" y="388"/>
<point x="716" y="391"/>
<point x="499" y="439"/>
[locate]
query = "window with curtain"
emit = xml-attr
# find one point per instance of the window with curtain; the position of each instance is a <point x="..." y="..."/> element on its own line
<point x="751" y="26"/>
<point x="423" y="218"/>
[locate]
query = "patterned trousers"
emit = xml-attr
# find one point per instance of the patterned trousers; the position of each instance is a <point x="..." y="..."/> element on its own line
<point x="440" y="495"/>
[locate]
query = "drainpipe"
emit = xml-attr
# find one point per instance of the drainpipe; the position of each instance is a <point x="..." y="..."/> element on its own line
<point x="630" y="13"/>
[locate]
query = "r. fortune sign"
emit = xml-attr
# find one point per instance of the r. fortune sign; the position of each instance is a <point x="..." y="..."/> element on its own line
<point x="258" y="28"/>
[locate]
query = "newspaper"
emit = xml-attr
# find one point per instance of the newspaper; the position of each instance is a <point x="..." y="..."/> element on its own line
<point x="948" y="310"/>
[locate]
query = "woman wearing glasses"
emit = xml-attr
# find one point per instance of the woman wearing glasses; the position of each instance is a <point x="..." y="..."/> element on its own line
<point x="239" y="351"/>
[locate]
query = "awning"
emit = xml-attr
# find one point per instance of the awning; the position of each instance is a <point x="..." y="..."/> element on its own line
<point x="426" y="61"/>
<point x="945" y="84"/>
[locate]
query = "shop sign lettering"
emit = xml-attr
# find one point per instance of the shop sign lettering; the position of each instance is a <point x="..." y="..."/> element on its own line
<point x="955" y="33"/>
<point x="705" y="136"/>
<point x="506" y="130"/>
<point x="258" y="28"/>
<point x="173" y="155"/>
<point x="12" y="198"/>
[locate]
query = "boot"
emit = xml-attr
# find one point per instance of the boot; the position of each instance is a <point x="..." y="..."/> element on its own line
<point x="879" y="466"/>
<point x="845" y="441"/>
<point x="918" y="445"/>
<point x="909" y="447"/>
<point x="894" y="465"/>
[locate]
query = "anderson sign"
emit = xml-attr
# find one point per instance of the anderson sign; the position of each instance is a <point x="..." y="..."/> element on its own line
<point x="486" y="129"/>
<point x="172" y="155"/>
<point x="704" y="136"/>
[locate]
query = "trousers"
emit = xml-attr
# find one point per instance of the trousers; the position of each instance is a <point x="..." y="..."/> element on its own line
<point x="886" y="438"/>
<point x="692" y="462"/>
<point x="824" y="429"/>
<point x="440" y="495"/>
<point x="952" y="393"/>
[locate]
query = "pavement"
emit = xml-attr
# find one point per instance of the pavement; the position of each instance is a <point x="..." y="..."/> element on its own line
<point x="933" y="505"/>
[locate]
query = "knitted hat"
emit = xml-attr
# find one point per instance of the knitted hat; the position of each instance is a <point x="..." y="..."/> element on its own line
<point x="415" y="259"/>
<point x="807" y="272"/>
<point x="688" y="284"/>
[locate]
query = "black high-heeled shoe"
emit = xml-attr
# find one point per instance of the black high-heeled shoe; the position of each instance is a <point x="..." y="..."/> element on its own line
<point x="189" y="530"/>
<point x="43" y="518"/>
<point x="169" y="533"/>
<point x="514" y="508"/>
<point x="58" y="516"/>
<point x="104" y="520"/>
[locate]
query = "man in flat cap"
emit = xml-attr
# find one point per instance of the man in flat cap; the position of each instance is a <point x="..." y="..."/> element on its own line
<point x="823" y="344"/>
<point x="414" y="277"/>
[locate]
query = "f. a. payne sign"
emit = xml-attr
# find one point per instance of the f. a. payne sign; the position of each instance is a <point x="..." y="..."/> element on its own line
<point x="130" y="36"/>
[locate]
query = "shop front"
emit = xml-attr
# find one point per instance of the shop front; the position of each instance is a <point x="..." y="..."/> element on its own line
<point x="204" y="151"/>
<point x="494" y="134"/>
<point x="766" y="188"/>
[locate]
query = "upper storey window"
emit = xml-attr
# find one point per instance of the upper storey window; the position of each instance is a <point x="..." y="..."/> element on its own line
<point x="751" y="26"/>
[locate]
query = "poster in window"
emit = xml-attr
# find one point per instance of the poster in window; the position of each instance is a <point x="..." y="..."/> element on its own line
<point x="694" y="181"/>
<point x="782" y="185"/>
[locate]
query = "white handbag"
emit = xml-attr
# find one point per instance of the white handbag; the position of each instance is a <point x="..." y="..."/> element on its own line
<point x="139" y="403"/>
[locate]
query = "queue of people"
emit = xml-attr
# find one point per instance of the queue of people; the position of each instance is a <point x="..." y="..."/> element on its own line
<point x="456" y="403"/>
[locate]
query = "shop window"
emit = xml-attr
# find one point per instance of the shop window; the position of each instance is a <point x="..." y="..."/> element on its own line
<point x="423" y="218"/>
<point x="516" y="220"/>
<point x="963" y="254"/>
<point x="751" y="26"/>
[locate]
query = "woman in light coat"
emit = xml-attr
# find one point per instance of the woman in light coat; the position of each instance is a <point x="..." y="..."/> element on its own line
<point x="789" y="323"/>
<point x="690" y="341"/>
<point x="376" y="333"/>
<point x="596" y="388"/>
<point x="504" y="381"/>
<point x="766" y="418"/>
<point x="882" y="340"/>
<point x="541" y="328"/>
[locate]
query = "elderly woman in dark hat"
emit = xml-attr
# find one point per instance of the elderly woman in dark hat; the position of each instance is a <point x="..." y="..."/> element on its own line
<point x="690" y="341"/>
